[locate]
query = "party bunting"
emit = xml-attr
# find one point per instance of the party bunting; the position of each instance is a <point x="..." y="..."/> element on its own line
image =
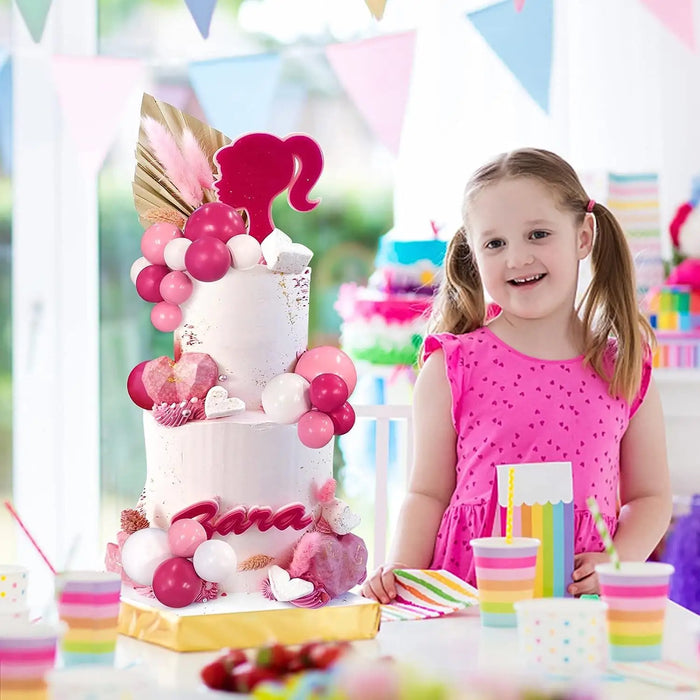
<point x="376" y="7"/>
<point x="522" y="39"/>
<point x="92" y="92"/>
<point x="236" y="93"/>
<point x="676" y="15"/>
<point x="6" y="113"/>
<point x="376" y="74"/>
<point x="34" y="14"/>
<point x="201" y="11"/>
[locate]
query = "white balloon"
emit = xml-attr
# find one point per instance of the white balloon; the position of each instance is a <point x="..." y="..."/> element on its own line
<point x="245" y="251"/>
<point x="174" y="253"/>
<point x="142" y="553"/>
<point x="136" y="267"/>
<point x="285" y="398"/>
<point x="214" y="560"/>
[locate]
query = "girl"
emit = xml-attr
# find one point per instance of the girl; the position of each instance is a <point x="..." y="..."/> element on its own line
<point x="542" y="381"/>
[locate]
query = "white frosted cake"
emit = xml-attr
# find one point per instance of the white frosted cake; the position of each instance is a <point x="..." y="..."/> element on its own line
<point x="239" y="423"/>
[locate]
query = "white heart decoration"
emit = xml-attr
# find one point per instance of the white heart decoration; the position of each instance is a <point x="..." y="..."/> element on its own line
<point x="285" y="588"/>
<point x="217" y="404"/>
<point x="281" y="255"/>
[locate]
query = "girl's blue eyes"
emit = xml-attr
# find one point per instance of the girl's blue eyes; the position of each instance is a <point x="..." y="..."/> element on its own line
<point x="499" y="242"/>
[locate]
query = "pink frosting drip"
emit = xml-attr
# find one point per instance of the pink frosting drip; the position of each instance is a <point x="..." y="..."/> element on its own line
<point x="176" y="414"/>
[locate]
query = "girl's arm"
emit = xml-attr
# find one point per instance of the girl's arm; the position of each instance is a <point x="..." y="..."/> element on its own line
<point x="431" y="483"/>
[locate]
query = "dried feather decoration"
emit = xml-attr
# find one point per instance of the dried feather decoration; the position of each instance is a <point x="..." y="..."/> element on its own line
<point x="255" y="562"/>
<point x="172" y="190"/>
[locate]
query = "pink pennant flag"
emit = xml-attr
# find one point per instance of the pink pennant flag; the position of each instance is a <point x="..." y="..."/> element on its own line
<point x="92" y="92"/>
<point x="376" y="74"/>
<point x="677" y="15"/>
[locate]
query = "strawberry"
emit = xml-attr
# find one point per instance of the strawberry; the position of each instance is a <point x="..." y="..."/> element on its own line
<point x="232" y="658"/>
<point x="323" y="656"/>
<point x="274" y="656"/>
<point x="305" y="653"/>
<point x="247" y="675"/>
<point x="215" y="675"/>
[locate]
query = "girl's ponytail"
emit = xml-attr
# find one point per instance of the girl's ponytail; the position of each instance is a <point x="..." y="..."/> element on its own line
<point x="609" y="308"/>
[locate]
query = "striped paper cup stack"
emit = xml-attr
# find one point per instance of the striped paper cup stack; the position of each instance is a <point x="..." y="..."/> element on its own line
<point x="88" y="605"/>
<point x="636" y="594"/>
<point x="505" y="573"/>
<point x="27" y="654"/>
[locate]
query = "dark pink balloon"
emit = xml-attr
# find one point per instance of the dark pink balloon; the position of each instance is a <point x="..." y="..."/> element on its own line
<point x="137" y="391"/>
<point x="214" y="219"/>
<point x="315" y="429"/>
<point x="343" y="418"/>
<point x="327" y="359"/>
<point x="175" y="582"/>
<point x="148" y="282"/>
<point x="328" y="392"/>
<point x="207" y="259"/>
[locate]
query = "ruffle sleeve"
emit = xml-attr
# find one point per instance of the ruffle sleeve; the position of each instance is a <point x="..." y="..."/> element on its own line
<point x="454" y="367"/>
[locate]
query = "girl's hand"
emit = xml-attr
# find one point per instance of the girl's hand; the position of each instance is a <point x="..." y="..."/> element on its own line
<point x="381" y="584"/>
<point x="584" y="575"/>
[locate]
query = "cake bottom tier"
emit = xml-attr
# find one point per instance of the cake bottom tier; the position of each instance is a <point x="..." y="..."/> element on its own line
<point x="242" y="621"/>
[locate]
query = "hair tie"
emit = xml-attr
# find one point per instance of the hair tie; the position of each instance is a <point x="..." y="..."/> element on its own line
<point x="590" y="205"/>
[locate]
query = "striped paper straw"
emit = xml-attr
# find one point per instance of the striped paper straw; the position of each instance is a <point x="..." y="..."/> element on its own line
<point x="509" y="510"/>
<point x="603" y="531"/>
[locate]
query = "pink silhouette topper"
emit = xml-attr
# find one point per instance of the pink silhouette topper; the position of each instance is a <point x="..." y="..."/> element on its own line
<point x="255" y="168"/>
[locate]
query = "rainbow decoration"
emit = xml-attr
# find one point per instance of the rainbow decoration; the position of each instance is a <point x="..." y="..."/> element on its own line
<point x="505" y="574"/>
<point x="25" y="659"/>
<point x="543" y="508"/>
<point x="88" y="602"/>
<point x="636" y="595"/>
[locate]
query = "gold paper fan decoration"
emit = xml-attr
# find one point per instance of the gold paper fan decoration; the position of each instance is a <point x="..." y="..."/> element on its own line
<point x="155" y="196"/>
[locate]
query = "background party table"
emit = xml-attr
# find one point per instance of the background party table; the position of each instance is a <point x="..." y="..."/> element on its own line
<point x="448" y="647"/>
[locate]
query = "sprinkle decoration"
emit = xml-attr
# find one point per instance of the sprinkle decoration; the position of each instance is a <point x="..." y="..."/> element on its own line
<point x="509" y="511"/>
<point x="603" y="531"/>
<point x="13" y="513"/>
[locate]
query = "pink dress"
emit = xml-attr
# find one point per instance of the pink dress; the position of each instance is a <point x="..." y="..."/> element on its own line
<point x="509" y="408"/>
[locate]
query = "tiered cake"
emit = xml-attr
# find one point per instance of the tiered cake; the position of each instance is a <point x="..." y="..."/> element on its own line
<point x="239" y="502"/>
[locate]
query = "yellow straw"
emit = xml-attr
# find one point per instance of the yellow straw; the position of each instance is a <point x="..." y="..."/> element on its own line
<point x="509" y="510"/>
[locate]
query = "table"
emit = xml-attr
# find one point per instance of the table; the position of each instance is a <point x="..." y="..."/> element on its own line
<point x="449" y="647"/>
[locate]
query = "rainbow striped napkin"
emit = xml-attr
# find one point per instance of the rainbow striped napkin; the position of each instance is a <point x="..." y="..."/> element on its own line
<point x="667" y="674"/>
<point x="424" y="593"/>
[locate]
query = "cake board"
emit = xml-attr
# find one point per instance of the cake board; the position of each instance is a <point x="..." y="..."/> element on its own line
<point x="242" y="621"/>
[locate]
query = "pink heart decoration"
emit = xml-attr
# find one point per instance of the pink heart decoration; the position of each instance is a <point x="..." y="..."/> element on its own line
<point x="167" y="381"/>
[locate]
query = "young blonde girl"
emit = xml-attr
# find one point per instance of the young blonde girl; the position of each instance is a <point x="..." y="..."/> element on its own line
<point x="545" y="380"/>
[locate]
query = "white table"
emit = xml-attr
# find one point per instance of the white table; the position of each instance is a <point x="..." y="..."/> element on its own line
<point x="450" y="647"/>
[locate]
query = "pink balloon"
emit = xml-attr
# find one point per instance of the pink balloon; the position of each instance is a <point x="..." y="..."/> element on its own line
<point x="214" y="219"/>
<point x="136" y="389"/>
<point x="154" y="240"/>
<point x="184" y="536"/>
<point x="343" y="418"/>
<point x="328" y="392"/>
<point x="327" y="359"/>
<point x="207" y="259"/>
<point x="175" y="582"/>
<point x="166" y="317"/>
<point x="315" y="429"/>
<point x="148" y="282"/>
<point x="176" y="287"/>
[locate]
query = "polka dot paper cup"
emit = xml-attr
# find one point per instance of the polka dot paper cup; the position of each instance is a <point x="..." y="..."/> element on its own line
<point x="13" y="594"/>
<point x="505" y="574"/>
<point x="637" y="595"/>
<point x="564" y="636"/>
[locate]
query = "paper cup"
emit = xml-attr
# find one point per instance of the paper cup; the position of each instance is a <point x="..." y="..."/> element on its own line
<point x="88" y="605"/>
<point x="636" y="594"/>
<point x="27" y="654"/>
<point x="563" y="635"/>
<point x="505" y="574"/>
<point x="100" y="683"/>
<point x="13" y="592"/>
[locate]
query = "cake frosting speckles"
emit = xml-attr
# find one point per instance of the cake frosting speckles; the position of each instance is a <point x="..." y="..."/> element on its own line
<point x="239" y="423"/>
<point x="384" y="322"/>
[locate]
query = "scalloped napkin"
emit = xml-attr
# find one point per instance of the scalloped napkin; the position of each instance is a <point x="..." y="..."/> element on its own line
<point x="425" y="593"/>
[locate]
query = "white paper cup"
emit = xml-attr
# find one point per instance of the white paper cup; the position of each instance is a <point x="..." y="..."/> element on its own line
<point x="13" y="589"/>
<point x="100" y="683"/>
<point x="565" y="636"/>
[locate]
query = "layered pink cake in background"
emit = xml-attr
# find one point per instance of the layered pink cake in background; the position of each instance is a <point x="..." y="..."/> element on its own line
<point x="239" y="424"/>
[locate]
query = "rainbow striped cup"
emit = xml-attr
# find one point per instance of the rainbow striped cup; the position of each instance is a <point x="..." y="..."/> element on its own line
<point x="27" y="654"/>
<point x="88" y="605"/>
<point x="505" y="573"/>
<point x="636" y="595"/>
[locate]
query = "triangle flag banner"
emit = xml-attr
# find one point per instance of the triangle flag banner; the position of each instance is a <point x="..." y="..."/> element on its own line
<point x="376" y="7"/>
<point x="522" y="39"/>
<point x="676" y="15"/>
<point x="6" y="114"/>
<point x="201" y="11"/>
<point x="237" y="93"/>
<point x="376" y="74"/>
<point x="34" y="14"/>
<point x="90" y="112"/>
